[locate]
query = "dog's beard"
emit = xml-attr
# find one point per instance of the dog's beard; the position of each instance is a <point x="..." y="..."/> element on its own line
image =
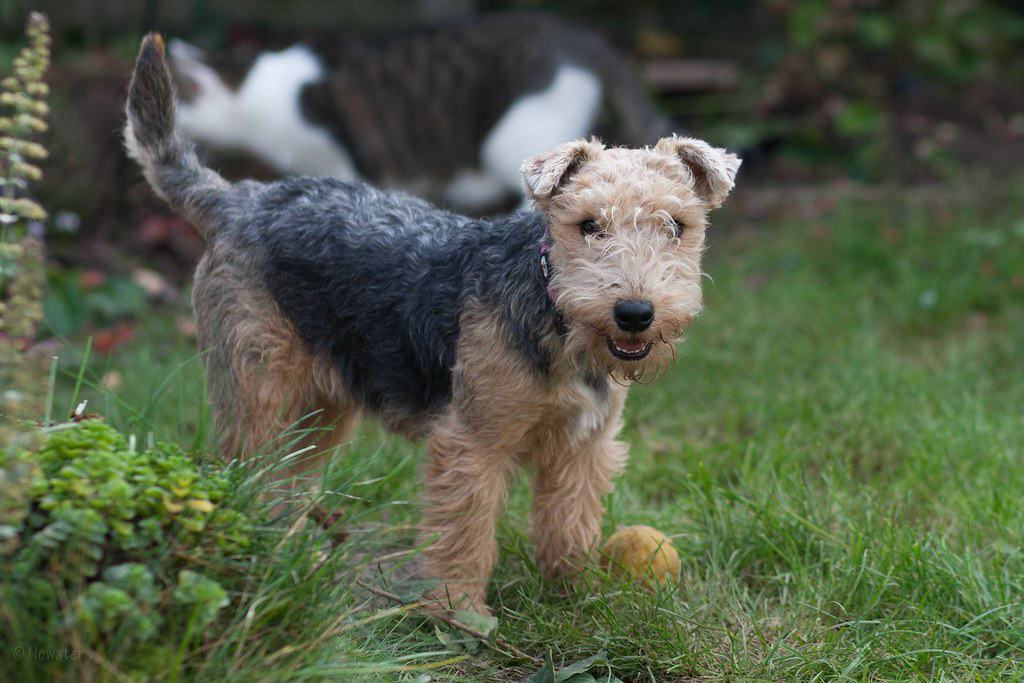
<point x="587" y="294"/>
<point x="639" y="358"/>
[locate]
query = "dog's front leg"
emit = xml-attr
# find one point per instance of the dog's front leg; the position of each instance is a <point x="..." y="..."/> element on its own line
<point x="567" y="506"/>
<point x="466" y="485"/>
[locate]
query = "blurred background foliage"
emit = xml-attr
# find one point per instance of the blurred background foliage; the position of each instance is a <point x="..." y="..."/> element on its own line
<point x="909" y="92"/>
<point x="862" y="83"/>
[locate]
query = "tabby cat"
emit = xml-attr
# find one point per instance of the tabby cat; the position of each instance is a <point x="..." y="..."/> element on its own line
<point x="448" y="112"/>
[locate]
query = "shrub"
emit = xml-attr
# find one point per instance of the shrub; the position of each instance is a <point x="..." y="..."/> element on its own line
<point x="104" y="544"/>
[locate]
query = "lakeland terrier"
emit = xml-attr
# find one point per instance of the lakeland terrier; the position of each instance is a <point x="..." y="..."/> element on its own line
<point x="502" y="342"/>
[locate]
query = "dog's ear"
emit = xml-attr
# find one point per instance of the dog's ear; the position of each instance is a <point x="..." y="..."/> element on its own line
<point x="714" y="169"/>
<point x="545" y="174"/>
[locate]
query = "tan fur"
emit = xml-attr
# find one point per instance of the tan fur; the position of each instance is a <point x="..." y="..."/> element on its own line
<point x="504" y="414"/>
<point x="263" y="380"/>
<point x="635" y="196"/>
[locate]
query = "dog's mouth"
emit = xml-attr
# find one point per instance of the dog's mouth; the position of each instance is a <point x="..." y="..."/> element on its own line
<point x="624" y="349"/>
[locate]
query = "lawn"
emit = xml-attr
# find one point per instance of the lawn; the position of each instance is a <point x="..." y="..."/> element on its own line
<point x="836" y="456"/>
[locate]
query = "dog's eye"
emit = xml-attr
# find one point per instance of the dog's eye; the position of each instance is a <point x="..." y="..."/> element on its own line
<point x="590" y="227"/>
<point x="679" y="228"/>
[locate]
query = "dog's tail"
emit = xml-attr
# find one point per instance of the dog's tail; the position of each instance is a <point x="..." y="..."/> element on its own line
<point x="168" y="161"/>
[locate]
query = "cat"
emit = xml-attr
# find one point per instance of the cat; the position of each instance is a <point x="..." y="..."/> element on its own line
<point x="448" y="112"/>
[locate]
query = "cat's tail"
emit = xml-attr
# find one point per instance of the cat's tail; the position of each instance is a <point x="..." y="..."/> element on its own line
<point x="168" y="161"/>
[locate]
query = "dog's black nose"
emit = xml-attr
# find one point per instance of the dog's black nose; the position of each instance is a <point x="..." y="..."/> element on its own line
<point x="634" y="316"/>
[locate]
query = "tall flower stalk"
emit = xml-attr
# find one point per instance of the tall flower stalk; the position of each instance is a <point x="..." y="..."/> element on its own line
<point x="23" y="112"/>
<point x="23" y="98"/>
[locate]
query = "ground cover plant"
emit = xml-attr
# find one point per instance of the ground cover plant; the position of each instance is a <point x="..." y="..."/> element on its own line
<point x="836" y="457"/>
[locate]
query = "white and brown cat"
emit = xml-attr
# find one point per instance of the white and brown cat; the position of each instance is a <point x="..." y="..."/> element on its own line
<point x="448" y="112"/>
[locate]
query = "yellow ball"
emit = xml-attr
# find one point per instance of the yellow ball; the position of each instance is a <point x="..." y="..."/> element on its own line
<point x="642" y="552"/>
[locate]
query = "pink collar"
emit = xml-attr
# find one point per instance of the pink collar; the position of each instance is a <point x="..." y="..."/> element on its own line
<point x="545" y="269"/>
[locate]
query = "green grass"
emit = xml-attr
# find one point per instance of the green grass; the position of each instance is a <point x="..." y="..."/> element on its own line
<point x="837" y="457"/>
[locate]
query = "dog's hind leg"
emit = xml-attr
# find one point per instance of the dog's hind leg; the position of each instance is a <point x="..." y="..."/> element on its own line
<point x="282" y="410"/>
<point x="270" y="394"/>
<point x="327" y="427"/>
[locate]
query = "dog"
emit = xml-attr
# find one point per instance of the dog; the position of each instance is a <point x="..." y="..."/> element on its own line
<point x="501" y="342"/>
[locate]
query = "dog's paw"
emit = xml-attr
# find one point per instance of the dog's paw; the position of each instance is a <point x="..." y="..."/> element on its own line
<point x="446" y="600"/>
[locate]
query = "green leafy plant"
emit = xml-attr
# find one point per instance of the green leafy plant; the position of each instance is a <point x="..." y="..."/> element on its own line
<point x="124" y="537"/>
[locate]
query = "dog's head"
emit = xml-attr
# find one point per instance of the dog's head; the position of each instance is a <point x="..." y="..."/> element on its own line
<point x="627" y="232"/>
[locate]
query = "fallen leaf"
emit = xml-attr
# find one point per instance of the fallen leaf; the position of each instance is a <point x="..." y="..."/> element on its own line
<point x="109" y="339"/>
<point x="187" y="327"/>
<point x="153" y="282"/>
<point x="91" y="279"/>
<point x="112" y="380"/>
